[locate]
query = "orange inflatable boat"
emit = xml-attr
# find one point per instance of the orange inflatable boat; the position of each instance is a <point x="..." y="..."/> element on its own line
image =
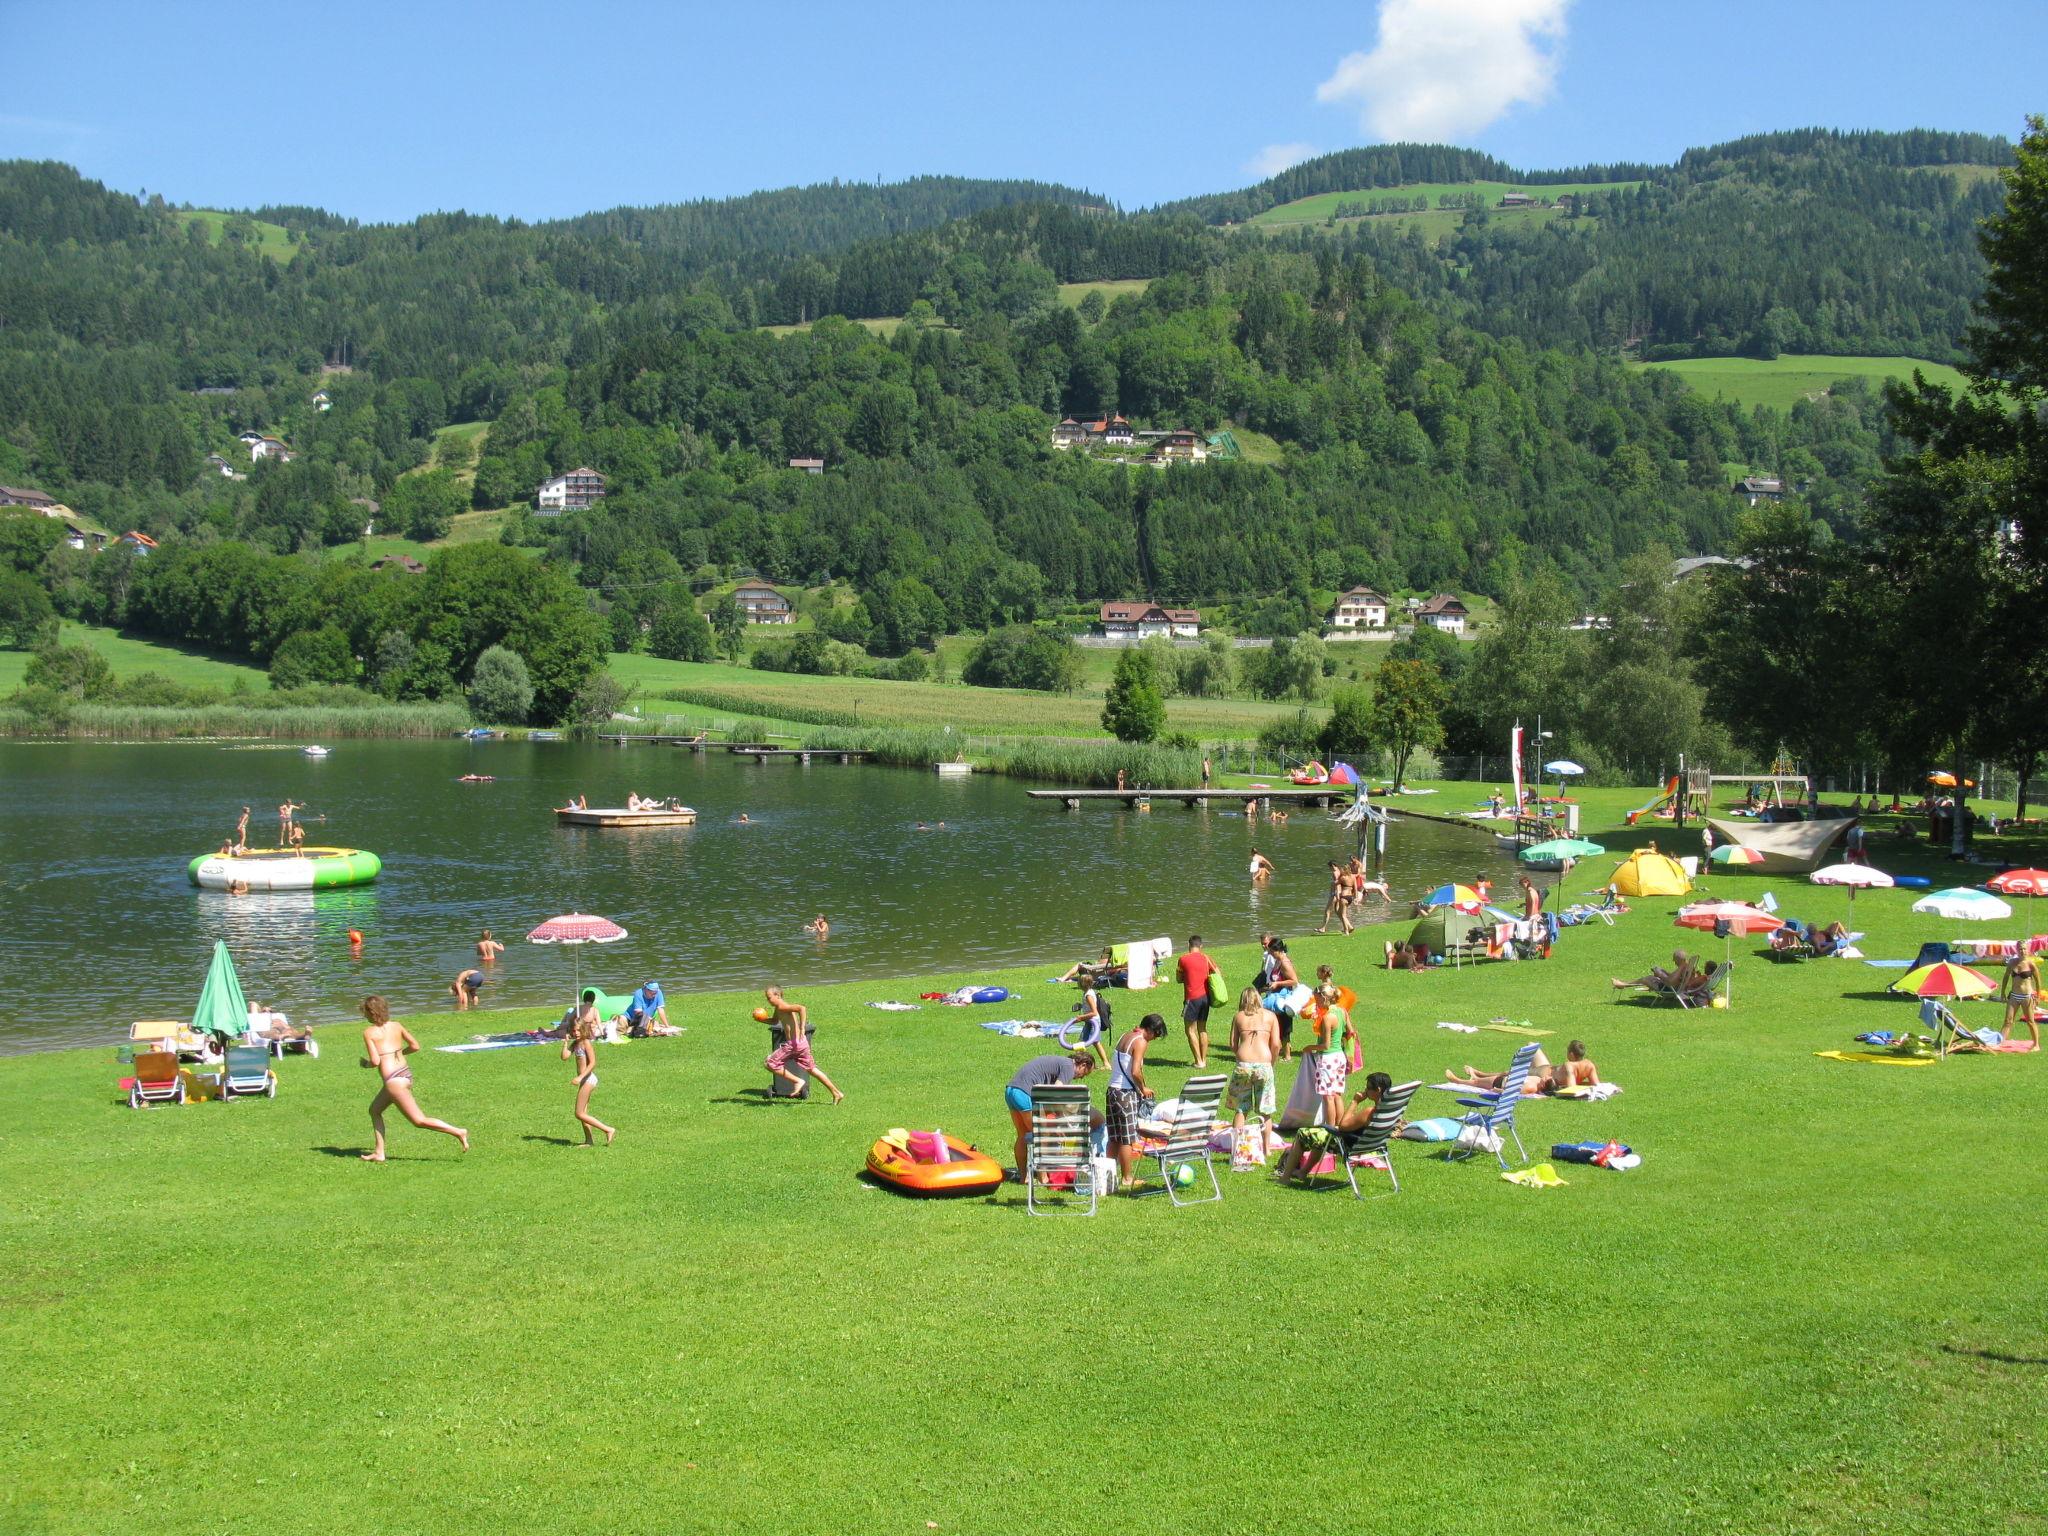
<point x="912" y="1163"/>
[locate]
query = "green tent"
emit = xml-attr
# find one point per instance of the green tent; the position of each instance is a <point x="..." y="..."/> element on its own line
<point x="222" y="1010"/>
<point x="1447" y="926"/>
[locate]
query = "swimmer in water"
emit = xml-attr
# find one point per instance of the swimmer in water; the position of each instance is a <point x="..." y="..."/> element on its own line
<point x="817" y="927"/>
<point x="465" y="989"/>
<point x="487" y="948"/>
<point x="746" y="820"/>
<point x="355" y="941"/>
<point x="1261" y="866"/>
<point x="922" y="827"/>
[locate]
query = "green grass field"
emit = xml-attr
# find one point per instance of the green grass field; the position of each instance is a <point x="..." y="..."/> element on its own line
<point x="1111" y="289"/>
<point x="1436" y="222"/>
<point x="982" y="711"/>
<point x="1786" y="380"/>
<point x="130" y="654"/>
<point x="1807" y="1312"/>
<point x="458" y="447"/>
<point x="271" y="239"/>
<point x="882" y="325"/>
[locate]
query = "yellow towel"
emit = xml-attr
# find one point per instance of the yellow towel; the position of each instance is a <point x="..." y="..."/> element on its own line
<point x="1542" y="1176"/>
<point x="1518" y="1029"/>
<point x="1878" y="1058"/>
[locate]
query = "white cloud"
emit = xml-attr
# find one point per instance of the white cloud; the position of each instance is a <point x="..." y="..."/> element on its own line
<point x="1445" y="69"/>
<point x="1275" y="158"/>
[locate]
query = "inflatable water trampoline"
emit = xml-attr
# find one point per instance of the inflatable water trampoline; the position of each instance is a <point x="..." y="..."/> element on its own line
<point x="285" y="869"/>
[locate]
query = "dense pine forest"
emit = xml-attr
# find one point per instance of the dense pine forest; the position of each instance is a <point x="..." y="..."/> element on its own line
<point x="1453" y="414"/>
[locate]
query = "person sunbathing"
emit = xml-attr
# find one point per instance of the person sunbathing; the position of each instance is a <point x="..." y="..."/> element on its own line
<point x="1683" y="975"/>
<point x="1082" y="968"/>
<point x="1311" y="1142"/>
<point x="1544" y="1076"/>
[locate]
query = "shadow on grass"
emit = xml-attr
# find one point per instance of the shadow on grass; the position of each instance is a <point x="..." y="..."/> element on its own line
<point x="1882" y="997"/>
<point x="1996" y="1357"/>
<point x="756" y="1098"/>
<point x="553" y="1141"/>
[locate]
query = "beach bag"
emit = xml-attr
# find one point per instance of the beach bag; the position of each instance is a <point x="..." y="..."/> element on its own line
<point x="1247" y="1148"/>
<point x="1102" y="1171"/>
<point x="1218" y="992"/>
<point x="1477" y="1138"/>
<point x="1436" y="1128"/>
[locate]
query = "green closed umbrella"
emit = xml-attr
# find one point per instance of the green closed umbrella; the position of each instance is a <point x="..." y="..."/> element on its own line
<point x="222" y="1009"/>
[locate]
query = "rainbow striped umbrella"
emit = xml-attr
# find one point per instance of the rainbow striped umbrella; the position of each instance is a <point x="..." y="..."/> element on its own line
<point x="1945" y="979"/>
<point x="1736" y="854"/>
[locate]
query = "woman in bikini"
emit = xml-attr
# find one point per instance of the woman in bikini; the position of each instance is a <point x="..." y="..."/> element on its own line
<point x="581" y="1047"/>
<point x="1544" y="1075"/>
<point x="2022" y="991"/>
<point x="386" y="1044"/>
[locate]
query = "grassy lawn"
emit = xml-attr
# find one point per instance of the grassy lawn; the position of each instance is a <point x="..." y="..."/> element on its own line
<point x="1436" y="223"/>
<point x="459" y="446"/>
<point x="1786" y="380"/>
<point x="882" y="325"/>
<point x="1111" y="289"/>
<point x="1806" y="1312"/>
<point x="271" y="239"/>
<point x="130" y="654"/>
<point x="991" y="711"/>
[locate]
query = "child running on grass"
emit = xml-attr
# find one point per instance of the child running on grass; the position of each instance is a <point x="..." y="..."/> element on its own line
<point x="795" y="1022"/>
<point x="386" y="1044"/>
<point x="581" y="1047"/>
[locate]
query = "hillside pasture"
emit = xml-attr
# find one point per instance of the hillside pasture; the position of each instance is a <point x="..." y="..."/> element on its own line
<point x="1436" y="222"/>
<point x="131" y="654"/>
<point x="1783" y="381"/>
<point x="272" y="240"/>
<point x="1111" y="289"/>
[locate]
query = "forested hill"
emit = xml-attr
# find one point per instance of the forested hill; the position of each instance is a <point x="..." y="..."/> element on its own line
<point x="1804" y="241"/>
<point x="824" y="217"/>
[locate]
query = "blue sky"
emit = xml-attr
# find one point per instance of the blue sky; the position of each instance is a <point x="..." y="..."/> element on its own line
<point x="383" y="110"/>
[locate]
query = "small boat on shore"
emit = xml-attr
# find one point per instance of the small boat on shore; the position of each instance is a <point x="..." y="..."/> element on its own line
<point x="285" y="869"/>
<point x="314" y="751"/>
<point x="620" y="816"/>
<point x="953" y="770"/>
<point x="919" y="1170"/>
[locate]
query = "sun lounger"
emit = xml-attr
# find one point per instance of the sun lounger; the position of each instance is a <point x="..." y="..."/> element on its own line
<point x="1375" y="1138"/>
<point x="1058" y="1144"/>
<point x="1493" y="1111"/>
<point x="1187" y="1138"/>
<point x="156" y="1080"/>
<point x="247" y="1073"/>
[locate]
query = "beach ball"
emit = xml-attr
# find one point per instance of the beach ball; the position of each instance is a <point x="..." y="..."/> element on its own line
<point x="1183" y="1175"/>
<point x="1719" y="1002"/>
<point x="763" y="1015"/>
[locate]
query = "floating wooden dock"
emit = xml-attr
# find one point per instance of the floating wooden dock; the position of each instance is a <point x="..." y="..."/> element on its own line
<point x="620" y="816"/>
<point x="797" y="754"/>
<point x="649" y="738"/>
<point x="1294" y="794"/>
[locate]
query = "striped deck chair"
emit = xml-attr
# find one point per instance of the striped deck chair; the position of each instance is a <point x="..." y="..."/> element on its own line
<point x="1187" y="1141"/>
<point x="1494" y="1110"/>
<point x="1947" y="1029"/>
<point x="1375" y="1138"/>
<point x="1058" y="1143"/>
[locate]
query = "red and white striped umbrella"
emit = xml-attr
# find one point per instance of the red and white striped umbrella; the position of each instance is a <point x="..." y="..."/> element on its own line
<point x="576" y="928"/>
<point x="2019" y="882"/>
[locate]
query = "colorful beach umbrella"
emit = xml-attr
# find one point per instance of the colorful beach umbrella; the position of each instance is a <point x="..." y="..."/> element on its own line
<point x="1734" y="854"/>
<point x="577" y="929"/>
<point x="1945" y="979"/>
<point x="1463" y="897"/>
<point x="1740" y="917"/>
<point x="2019" y="882"/>
<point x="1964" y="904"/>
<point x="1559" y="849"/>
<point x="1942" y="780"/>
<point x="1855" y="876"/>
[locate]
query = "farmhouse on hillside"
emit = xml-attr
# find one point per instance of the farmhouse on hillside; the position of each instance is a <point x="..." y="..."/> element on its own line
<point x="581" y="487"/>
<point x="270" y="448"/>
<point x="1444" y="612"/>
<point x="1756" y="488"/>
<point x="808" y="466"/>
<point x="762" y="604"/>
<point x="403" y="563"/>
<point x="1112" y="431"/>
<point x="1179" y="444"/>
<point x="1140" y="621"/>
<point x="16" y="496"/>
<point x="1360" y="608"/>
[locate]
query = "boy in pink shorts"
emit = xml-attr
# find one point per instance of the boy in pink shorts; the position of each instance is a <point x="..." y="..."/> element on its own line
<point x="795" y="1022"/>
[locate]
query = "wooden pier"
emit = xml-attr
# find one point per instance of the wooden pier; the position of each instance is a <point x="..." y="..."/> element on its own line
<point x="796" y="754"/>
<point x="648" y="738"/>
<point x="1319" y="796"/>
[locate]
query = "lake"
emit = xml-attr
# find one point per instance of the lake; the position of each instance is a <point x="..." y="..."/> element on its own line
<point x="99" y="924"/>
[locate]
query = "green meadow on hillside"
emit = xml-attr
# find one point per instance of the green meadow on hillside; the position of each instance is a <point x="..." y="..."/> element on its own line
<point x="272" y="240"/>
<point x="1435" y="222"/>
<point x="129" y="654"/>
<point x="1806" y="1312"/>
<point x="1782" y="382"/>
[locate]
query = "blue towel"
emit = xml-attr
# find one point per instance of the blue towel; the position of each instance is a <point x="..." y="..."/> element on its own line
<point x="1890" y="965"/>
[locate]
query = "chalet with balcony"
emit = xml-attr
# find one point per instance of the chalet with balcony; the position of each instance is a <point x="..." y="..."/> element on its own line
<point x="762" y="604"/>
<point x="579" y="488"/>
<point x="1444" y="612"/>
<point x="1141" y="621"/>
<point x="1360" y="608"/>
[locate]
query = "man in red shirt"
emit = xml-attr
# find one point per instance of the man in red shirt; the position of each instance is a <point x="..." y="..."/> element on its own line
<point x="1195" y="969"/>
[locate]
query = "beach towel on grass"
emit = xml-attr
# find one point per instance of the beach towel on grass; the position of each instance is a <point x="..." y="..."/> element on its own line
<point x="1501" y="1028"/>
<point x="1593" y="1094"/>
<point x="1435" y="1128"/>
<point x="1890" y="965"/>
<point x="1878" y="1058"/>
<point x="1025" y="1029"/>
<point x="1542" y="1176"/>
<point x="1463" y="1029"/>
<point x="895" y="1007"/>
<point x="498" y="1044"/>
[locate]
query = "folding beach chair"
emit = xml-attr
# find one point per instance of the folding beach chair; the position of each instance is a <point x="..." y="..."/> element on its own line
<point x="1947" y="1029"/>
<point x="1494" y="1112"/>
<point x="1058" y="1143"/>
<point x="1187" y="1139"/>
<point x="1700" y="994"/>
<point x="1375" y="1138"/>
<point x="247" y="1072"/>
<point x="156" y="1080"/>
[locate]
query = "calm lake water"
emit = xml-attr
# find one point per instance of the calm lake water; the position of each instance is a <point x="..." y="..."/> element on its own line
<point x="100" y="926"/>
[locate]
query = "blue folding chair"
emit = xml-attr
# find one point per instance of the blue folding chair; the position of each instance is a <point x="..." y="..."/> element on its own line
<point x="1494" y="1111"/>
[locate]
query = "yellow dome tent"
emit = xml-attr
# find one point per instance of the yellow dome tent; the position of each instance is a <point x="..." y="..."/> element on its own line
<point x="1649" y="873"/>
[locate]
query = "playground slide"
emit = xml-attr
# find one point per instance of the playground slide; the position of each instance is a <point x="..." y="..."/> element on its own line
<point x="1650" y="807"/>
